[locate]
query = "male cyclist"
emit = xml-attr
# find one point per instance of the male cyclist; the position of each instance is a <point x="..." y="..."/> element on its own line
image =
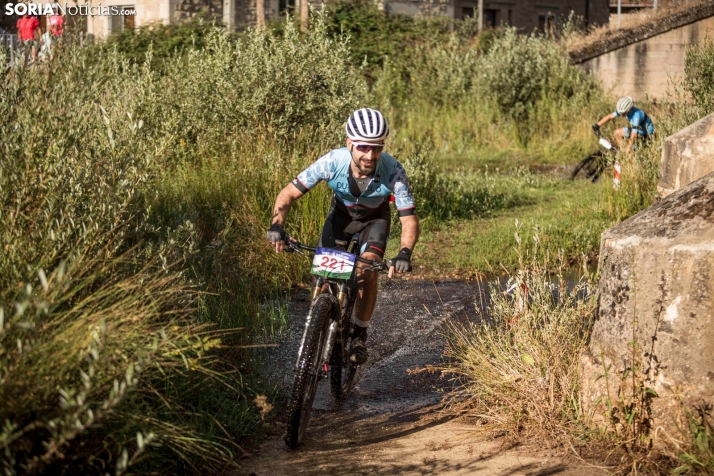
<point x="363" y="178"/>
<point x="641" y="125"/>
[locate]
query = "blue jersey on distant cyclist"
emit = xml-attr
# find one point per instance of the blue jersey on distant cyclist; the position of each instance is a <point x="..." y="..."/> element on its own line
<point x="389" y="178"/>
<point x="641" y="123"/>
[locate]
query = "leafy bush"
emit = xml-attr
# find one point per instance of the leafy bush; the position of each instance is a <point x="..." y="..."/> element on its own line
<point x="162" y="40"/>
<point x="376" y="35"/>
<point x="125" y="191"/>
<point x="503" y="92"/>
<point x="699" y="74"/>
<point x="521" y="71"/>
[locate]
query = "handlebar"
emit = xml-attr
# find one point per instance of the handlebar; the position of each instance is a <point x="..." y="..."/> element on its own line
<point x="295" y="246"/>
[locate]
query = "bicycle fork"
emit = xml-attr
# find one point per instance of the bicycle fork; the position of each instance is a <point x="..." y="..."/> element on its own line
<point x="332" y="330"/>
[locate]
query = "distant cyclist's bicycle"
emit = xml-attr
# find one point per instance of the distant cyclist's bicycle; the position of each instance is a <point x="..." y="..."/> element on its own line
<point x="325" y="345"/>
<point x="594" y="164"/>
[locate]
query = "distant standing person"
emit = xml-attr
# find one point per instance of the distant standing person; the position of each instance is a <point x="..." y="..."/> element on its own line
<point x="641" y="126"/>
<point x="56" y="28"/>
<point x="29" y="33"/>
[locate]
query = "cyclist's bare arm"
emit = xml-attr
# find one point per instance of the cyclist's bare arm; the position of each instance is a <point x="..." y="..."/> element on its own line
<point x="605" y="119"/>
<point x="410" y="231"/>
<point x="285" y="199"/>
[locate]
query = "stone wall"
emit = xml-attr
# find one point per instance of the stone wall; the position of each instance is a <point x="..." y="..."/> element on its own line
<point x="645" y="66"/>
<point x="687" y="156"/>
<point x="655" y="290"/>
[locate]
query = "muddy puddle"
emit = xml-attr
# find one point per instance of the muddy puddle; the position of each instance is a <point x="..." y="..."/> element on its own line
<point x="406" y="332"/>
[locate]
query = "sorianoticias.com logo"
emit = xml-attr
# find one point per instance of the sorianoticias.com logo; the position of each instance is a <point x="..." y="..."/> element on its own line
<point x="20" y="9"/>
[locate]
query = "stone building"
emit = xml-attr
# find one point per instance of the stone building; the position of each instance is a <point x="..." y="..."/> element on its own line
<point x="523" y="14"/>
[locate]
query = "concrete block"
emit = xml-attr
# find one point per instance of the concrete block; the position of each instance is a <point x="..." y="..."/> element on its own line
<point x="687" y="156"/>
<point x="656" y="311"/>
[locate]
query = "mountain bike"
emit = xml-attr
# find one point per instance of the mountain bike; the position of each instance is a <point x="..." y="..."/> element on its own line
<point x="594" y="164"/>
<point x="325" y="345"/>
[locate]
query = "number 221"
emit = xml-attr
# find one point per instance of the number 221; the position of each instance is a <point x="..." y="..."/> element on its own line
<point x="332" y="263"/>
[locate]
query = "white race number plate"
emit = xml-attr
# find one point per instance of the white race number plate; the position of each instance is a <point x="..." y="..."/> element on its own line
<point x="334" y="264"/>
<point x="605" y="143"/>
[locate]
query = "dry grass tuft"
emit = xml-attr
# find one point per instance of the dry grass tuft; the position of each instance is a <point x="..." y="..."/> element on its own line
<point x="519" y="369"/>
<point x="629" y="22"/>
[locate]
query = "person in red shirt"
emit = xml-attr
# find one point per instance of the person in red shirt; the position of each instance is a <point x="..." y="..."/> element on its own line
<point x="55" y="29"/>
<point x="56" y="25"/>
<point x="29" y="33"/>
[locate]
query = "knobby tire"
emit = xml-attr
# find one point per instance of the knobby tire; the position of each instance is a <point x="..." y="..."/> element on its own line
<point x="341" y="380"/>
<point x="307" y="373"/>
<point x="593" y="166"/>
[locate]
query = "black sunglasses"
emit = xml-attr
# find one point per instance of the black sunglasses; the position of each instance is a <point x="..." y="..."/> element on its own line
<point x="367" y="147"/>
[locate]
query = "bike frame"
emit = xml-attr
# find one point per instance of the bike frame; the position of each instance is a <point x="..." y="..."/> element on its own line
<point x="341" y="291"/>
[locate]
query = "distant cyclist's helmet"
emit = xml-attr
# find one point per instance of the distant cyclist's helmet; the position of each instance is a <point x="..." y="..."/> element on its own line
<point x="367" y="125"/>
<point x="624" y="105"/>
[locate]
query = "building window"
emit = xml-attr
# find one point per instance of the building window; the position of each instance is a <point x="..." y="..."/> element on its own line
<point x="489" y="17"/>
<point x="288" y="6"/>
<point x="122" y="22"/>
<point x="546" y="23"/>
<point x="467" y="12"/>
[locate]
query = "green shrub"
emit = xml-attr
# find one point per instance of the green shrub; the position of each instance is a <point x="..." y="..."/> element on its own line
<point x="525" y="72"/>
<point x="151" y="187"/>
<point x="376" y="35"/>
<point x="162" y="40"/>
<point x="699" y="74"/>
<point x="504" y="92"/>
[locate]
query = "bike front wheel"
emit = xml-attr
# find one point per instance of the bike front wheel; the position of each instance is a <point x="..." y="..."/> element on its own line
<point x="307" y="373"/>
<point x="592" y="166"/>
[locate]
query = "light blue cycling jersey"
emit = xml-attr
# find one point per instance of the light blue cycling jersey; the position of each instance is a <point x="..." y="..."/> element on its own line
<point x="639" y="121"/>
<point x="389" y="178"/>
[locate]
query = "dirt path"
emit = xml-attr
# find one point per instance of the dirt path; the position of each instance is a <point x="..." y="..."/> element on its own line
<point x="393" y="422"/>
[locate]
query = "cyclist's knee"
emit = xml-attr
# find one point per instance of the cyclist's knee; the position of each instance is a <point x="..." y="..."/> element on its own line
<point x="373" y="250"/>
<point x="620" y="133"/>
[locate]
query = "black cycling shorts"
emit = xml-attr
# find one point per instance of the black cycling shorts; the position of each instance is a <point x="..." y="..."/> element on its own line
<point x="373" y="231"/>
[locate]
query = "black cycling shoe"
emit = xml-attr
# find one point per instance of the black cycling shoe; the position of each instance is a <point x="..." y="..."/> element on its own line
<point x="358" y="349"/>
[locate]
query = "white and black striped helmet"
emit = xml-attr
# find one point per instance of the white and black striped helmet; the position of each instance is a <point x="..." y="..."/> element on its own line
<point x="367" y="124"/>
<point x="624" y="105"/>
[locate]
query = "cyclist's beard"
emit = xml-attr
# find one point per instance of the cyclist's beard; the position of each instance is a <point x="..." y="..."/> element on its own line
<point x="365" y="169"/>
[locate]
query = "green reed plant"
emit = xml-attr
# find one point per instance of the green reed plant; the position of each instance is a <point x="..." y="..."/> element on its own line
<point x="697" y="455"/>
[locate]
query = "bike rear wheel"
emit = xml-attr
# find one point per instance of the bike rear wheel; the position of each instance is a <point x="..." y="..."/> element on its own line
<point x="308" y="370"/>
<point x="342" y="378"/>
<point x="343" y="372"/>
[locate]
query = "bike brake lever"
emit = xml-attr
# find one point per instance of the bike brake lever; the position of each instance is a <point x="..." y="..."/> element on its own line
<point x="291" y="248"/>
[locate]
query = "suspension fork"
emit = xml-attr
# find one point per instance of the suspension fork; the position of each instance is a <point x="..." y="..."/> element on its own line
<point x="335" y="328"/>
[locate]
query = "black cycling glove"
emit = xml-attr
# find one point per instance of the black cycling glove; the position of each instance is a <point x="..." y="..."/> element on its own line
<point x="596" y="127"/>
<point x="403" y="261"/>
<point x="275" y="233"/>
